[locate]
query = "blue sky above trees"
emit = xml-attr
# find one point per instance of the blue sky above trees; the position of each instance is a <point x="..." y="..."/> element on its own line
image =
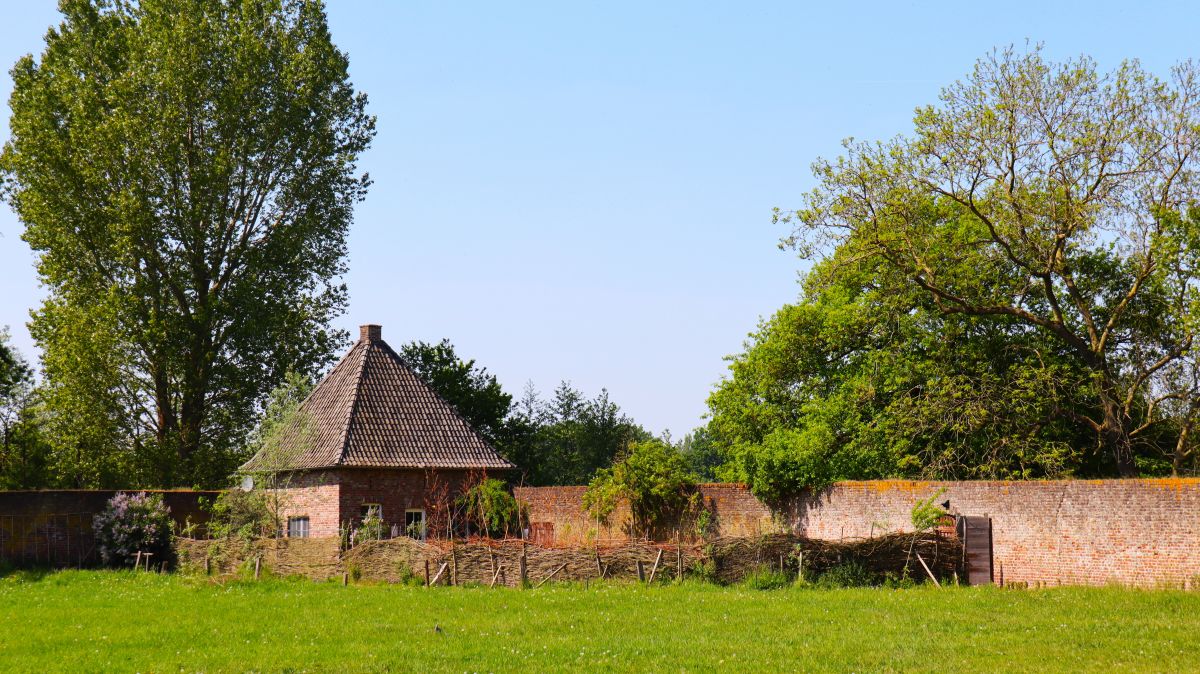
<point x="585" y="192"/>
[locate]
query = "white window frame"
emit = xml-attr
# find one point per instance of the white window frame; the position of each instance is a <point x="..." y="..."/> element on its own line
<point x="306" y="529"/>
<point x="423" y="521"/>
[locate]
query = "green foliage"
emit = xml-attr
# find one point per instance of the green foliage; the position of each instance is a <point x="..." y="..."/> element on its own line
<point x="566" y="439"/>
<point x="847" y="574"/>
<point x="766" y="578"/>
<point x="186" y="173"/>
<point x="941" y="336"/>
<point x="491" y="508"/>
<point x="24" y="452"/>
<point x="369" y="529"/>
<point x="242" y="515"/>
<point x="926" y="513"/>
<point x="1040" y="224"/>
<point x="653" y="477"/>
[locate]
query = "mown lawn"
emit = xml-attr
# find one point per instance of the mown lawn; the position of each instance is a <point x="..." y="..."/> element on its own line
<point x="99" y="621"/>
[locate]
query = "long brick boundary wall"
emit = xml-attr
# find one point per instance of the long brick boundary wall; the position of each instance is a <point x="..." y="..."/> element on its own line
<point x="54" y="527"/>
<point x="1089" y="532"/>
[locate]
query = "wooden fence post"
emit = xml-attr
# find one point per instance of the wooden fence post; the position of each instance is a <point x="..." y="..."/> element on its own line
<point x="426" y="572"/>
<point x="641" y="571"/>
<point x="524" y="566"/>
<point x="453" y="564"/>
<point x="257" y="566"/>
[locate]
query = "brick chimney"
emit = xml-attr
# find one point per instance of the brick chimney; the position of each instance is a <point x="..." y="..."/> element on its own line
<point x="370" y="332"/>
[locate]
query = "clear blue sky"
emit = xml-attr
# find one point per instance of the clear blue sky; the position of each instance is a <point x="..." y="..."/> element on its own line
<point x="583" y="191"/>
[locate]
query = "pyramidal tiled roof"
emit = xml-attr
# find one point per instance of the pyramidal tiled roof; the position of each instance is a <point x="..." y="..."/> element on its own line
<point x="372" y="410"/>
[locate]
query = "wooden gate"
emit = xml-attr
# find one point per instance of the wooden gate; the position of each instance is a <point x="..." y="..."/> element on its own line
<point x="976" y="536"/>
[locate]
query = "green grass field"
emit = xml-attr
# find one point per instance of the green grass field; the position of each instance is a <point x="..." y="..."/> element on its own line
<point x="100" y="621"/>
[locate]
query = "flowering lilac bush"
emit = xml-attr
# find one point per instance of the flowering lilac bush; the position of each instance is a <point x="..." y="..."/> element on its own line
<point x="132" y="523"/>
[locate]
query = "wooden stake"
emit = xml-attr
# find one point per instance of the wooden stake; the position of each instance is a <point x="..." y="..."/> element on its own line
<point x="781" y="566"/>
<point x="453" y="564"/>
<point x="926" y="567"/>
<point x="655" y="569"/>
<point x="641" y="571"/>
<point x="426" y="573"/>
<point x="208" y="566"/>
<point x="345" y="578"/>
<point x="438" y="575"/>
<point x="599" y="566"/>
<point x="147" y="558"/>
<point x="552" y="574"/>
<point x="495" y="575"/>
<point x="137" y="564"/>
<point x="523" y="566"/>
<point x="257" y="566"/>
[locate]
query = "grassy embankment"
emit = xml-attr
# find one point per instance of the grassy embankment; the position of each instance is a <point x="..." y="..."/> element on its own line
<point x="95" y="621"/>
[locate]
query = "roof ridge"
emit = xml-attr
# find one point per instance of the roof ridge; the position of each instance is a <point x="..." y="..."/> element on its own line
<point x="358" y="381"/>
<point x="453" y="408"/>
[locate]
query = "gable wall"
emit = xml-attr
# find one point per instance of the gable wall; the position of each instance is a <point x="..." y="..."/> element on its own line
<point x="314" y="495"/>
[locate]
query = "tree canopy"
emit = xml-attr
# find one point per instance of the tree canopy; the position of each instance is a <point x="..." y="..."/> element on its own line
<point x="1010" y="291"/>
<point x="186" y="173"/>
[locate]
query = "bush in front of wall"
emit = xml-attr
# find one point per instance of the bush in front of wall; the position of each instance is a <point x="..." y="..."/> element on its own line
<point x="847" y="574"/>
<point x="133" y="523"/>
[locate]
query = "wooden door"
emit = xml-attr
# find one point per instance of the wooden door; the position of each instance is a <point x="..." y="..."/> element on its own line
<point x="976" y="535"/>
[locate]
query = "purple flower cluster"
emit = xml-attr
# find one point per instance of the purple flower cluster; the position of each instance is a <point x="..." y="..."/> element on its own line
<point x="131" y="523"/>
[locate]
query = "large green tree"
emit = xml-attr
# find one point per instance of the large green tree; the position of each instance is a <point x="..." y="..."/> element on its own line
<point x="186" y="172"/>
<point x="856" y="381"/>
<point x="1050" y="202"/>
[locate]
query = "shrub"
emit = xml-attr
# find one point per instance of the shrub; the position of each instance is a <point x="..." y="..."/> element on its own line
<point x="491" y="508"/>
<point x="371" y="529"/>
<point x="763" y="578"/>
<point x="653" y="476"/>
<point x="847" y="574"/>
<point x="133" y="523"/>
<point x="245" y="515"/>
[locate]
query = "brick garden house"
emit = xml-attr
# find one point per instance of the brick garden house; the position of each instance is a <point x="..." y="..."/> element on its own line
<point x="373" y="438"/>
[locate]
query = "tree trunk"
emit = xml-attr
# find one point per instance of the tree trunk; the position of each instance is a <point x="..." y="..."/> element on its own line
<point x="1115" y="435"/>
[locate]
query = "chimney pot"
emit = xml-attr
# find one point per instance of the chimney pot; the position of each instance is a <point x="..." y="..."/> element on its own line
<point x="370" y="332"/>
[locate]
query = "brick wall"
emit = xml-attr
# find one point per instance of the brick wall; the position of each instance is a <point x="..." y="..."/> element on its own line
<point x="1136" y="532"/>
<point x="54" y="527"/>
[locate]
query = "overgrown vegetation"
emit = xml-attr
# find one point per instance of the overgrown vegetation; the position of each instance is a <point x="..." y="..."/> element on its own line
<point x="653" y="477"/>
<point x="491" y="508"/>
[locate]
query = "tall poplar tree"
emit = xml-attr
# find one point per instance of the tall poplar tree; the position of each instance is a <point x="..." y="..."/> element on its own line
<point x="186" y="172"/>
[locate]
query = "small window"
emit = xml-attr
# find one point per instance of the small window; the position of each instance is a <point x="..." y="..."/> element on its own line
<point x="297" y="527"/>
<point x="370" y="510"/>
<point x="414" y="524"/>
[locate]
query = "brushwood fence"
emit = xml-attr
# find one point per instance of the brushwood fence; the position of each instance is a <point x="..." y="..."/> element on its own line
<point x="514" y="562"/>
